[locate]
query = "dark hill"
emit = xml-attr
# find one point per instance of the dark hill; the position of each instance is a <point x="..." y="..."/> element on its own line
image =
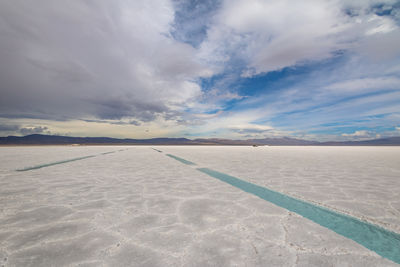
<point x="39" y="139"/>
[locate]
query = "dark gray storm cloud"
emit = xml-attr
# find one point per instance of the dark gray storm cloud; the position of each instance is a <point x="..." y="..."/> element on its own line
<point x="92" y="59"/>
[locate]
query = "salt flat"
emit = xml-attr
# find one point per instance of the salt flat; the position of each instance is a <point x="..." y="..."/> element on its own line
<point x="138" y="207"/>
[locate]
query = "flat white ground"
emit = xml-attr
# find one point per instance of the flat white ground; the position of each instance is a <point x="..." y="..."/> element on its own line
<point x="138" y="207"/>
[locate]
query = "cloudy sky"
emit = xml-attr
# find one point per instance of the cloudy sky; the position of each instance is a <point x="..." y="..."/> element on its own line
<point x="320" y="70"/>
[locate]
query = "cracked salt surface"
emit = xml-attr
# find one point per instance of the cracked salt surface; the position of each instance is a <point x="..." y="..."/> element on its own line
<point x="138" y="207"/>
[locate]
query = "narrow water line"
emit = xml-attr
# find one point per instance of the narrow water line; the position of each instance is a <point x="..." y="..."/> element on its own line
<point x="106" y="153"/>
<point x="53" y="163"/>
<point x="184" y="161"/>
<point x="60" y="162"/>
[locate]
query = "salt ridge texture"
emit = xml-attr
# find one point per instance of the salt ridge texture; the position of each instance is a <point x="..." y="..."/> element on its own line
<point x="139" y="207"/>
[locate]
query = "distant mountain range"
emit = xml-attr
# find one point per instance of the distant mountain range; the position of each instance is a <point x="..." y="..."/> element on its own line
<point x="39" y="139"/>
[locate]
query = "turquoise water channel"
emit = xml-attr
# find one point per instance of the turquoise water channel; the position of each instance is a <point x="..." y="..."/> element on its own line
<point x="375" y="238"/>
<point x="184" y="161"/>
<point x="62" y="162"/>
<point x="53" y="163"/>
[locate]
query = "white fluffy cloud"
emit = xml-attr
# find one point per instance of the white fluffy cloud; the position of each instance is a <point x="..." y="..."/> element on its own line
<point x="270" y="35"/>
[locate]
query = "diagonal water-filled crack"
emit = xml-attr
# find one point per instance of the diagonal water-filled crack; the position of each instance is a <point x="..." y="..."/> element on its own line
<point x="60" y="162"/>
<point x="184" y="161"/>
<point x="106" y="153"/>
<point x="53" y="163"/>
<point x="375" y="238"/>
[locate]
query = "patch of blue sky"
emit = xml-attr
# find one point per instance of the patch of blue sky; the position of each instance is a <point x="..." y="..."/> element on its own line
<point x="274" y="80"/>
<point x="290" y="76"/>
<point x="266" y="88"/>
<point x="191" y="20"/>
<point x="386" y="10"/>
<point x="265" y="84"/>
<point x="249" y="88"/>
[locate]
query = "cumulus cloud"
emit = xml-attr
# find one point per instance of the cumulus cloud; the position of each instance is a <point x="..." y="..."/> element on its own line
<point x="94" y="59"/>
<point x="270" y="35"/>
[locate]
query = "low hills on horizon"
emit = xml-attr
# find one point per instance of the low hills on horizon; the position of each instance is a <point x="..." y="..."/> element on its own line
<point x="39" y="139"/>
